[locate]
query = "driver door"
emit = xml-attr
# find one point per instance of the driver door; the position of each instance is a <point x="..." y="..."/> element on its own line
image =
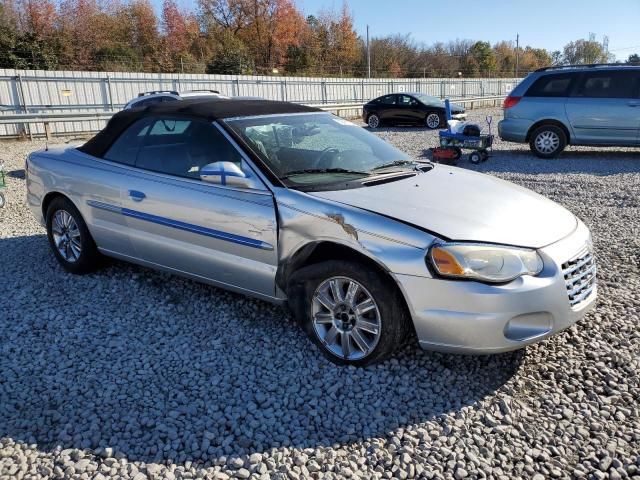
<point x="409" y="109"/>
<point x="222" y="234"/>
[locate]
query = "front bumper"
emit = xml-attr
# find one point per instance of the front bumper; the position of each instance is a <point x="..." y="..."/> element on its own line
<point x="473" y="317"/>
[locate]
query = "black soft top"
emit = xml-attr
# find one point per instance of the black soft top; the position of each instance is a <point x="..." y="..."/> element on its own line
<point x="196" y="108"/>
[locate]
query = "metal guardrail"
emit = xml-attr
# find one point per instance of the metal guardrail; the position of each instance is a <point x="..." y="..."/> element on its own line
<point x="46" y="119"/>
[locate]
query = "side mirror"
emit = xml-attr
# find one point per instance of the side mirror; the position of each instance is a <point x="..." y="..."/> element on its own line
<point x="226" y="173"/>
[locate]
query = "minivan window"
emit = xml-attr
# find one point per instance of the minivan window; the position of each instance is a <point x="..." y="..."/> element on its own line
<point x="551" y="86"/>
<point x="611" y="84"/>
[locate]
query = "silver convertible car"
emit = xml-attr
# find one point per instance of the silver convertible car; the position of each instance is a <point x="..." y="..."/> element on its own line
<point x="294" y="205"/>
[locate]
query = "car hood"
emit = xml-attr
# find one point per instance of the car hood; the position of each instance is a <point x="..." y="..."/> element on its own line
<point x="463" y="205"/>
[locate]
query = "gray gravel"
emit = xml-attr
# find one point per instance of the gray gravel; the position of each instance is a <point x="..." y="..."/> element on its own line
<point x="128" y="373"/>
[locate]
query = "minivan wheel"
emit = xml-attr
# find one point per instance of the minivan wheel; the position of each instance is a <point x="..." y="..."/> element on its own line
<point x="433" y="120"/>
<point x="352" y="312"/>
<point x="548" y="141"/>
<point x="373" y="121"/>
<point x="69" y="237"/>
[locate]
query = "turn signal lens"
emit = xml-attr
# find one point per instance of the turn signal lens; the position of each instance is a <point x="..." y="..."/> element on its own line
<point x="445" y="262"/>
<point x="483" y="262"/>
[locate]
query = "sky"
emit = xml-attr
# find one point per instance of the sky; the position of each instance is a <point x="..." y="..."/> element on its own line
<point x="549" y="24"/>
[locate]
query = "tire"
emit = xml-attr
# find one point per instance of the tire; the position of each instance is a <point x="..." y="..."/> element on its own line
<point x="433" y="120"/>
<point x="548" y="141"/>
<point x="370" y="336"/>
<point x="65" y="226"/>
<point x="373" y="121"/>
<point x="3" y="201"/>
<point x="475" y="157"/>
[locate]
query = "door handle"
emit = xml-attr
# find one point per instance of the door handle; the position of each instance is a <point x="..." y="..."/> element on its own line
<point x="137" y="196"/>
<point x="634" y="104"/>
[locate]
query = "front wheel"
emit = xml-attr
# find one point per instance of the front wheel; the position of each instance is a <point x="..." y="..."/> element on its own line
<point x="433" y="120"/>
<point x="351" y="311"/>
<point x="2" y="200"/>
<point x="69" y="237"/>
<point x="548" y="141"/>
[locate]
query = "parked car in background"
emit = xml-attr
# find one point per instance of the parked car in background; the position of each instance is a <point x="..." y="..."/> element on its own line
<point x="574" y="105"/>
<point x="157" y="96"/>
<point x="294" y="205"/>
<point x="409" y="108"/>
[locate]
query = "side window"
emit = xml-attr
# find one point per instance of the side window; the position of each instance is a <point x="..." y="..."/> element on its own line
<point x="551" y="86"/>
<point x="406" y="100"/>
<point x="612" y="84"/>
<point x="125" y="148"/>
<point x="182" y="147"/>
<point x="388" y="100"/>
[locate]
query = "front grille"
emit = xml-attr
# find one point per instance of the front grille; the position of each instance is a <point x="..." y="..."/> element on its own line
<point x="580" y="277"/>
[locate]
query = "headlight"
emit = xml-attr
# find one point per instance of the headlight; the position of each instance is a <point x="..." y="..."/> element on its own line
<point x="488" y="263"/>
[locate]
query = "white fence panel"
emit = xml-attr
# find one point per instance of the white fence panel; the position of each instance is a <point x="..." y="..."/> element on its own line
<point x="39" y="91"/>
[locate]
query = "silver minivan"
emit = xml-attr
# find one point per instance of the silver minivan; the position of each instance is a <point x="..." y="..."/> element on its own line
<point x="595" y="105"/>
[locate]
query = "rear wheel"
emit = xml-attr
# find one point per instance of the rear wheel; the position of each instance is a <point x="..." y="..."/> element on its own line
<point x="548" y="141"/>
<point x="352" y="312"/>
<point x="433" y="120"/>
<point x="373" y="121"/>
<point x="69" y="237"/>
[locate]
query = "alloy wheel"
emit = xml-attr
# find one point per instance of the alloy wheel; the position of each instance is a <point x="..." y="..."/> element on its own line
<point x="374" y="121"/>
<point x="66" y="236"/>
<point x="433" y="120"/>
<point x="346" y="318"/>
<point x="547" y="142"/>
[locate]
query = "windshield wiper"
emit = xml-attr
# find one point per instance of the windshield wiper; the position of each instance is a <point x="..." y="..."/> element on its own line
<point x="416" y="164"/>
<point x="395" y="163"/>
<point x="323" y="170"/>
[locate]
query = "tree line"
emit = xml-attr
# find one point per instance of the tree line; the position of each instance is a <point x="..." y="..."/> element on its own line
<point x="246" y="37"/>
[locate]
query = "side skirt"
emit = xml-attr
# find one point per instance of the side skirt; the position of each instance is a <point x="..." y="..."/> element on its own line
<point x="191" y="276"/>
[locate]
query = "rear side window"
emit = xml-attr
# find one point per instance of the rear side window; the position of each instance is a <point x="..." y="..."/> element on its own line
<point x="125" y="148"/>
<point x="182" y="147"/>
<point x="173" y="146"/>
<point x="387" y="100"/>
<point x="551" y="86"/>
<point x="611" y="84"/>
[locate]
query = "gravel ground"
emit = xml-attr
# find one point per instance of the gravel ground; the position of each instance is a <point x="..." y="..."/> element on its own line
<point x="128" y="373"/>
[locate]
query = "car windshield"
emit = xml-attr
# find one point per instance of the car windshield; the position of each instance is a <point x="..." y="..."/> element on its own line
<point x="429" y="100"/>
<point x="318" y="148"/>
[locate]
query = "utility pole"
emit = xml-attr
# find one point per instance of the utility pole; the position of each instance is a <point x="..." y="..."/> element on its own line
<point x="517" y="52"/>
<point x="368" y="55"/>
